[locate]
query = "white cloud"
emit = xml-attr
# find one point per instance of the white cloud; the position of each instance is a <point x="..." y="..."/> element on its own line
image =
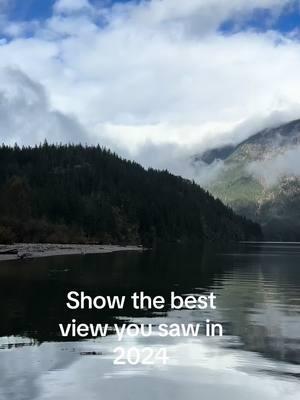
<point x="271" y="170"/>
<point x="27" y="117"/>
<point x="159" y="72"/>
<point x="70" y="6"/>
<point x="208" y="12"/>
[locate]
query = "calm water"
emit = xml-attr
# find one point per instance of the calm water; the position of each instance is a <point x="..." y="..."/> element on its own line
<point x="258" y="304"/>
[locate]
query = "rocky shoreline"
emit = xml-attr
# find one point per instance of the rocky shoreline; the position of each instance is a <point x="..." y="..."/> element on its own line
<point x="35" y="250"/>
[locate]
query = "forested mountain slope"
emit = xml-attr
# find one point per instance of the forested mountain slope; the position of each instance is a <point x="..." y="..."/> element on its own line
<point x="88" y="194"/>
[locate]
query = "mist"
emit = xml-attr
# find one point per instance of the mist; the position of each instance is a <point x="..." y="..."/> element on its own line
<point x="28" y="118"/>
<point x="283" y="165"/>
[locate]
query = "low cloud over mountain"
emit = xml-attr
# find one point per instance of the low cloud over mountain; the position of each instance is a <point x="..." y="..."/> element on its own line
<point x="132" y="73"/>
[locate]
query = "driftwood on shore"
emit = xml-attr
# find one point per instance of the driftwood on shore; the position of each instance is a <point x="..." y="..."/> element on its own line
<point x="9" y="251"/>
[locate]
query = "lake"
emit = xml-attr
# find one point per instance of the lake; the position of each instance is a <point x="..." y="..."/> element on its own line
<point x="258" y="304"/>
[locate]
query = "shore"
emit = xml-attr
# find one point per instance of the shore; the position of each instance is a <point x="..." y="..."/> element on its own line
<point x="35" y="250"/>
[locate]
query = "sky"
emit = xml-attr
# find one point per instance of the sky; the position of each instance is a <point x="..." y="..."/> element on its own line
<point x="155" y="80"/>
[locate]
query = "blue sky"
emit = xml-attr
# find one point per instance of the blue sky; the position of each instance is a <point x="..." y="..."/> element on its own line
<point x="263" y="20"/>
<point x="26" y="10"/>
<point x="258" y="19"/>
<point x="30" y="9"/>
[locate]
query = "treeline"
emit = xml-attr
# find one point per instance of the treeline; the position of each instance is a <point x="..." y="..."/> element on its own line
<point x="72" y="193"/>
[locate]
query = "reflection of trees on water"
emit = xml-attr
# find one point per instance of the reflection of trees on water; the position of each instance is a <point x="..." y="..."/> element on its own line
<point x="258" y="298"/>
<point x="33" y="292"/>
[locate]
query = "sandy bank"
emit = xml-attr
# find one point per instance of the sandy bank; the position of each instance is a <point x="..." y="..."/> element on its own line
<point x="34" y="250"/>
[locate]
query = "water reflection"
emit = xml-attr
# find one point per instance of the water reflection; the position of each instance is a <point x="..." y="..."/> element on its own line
<point x="258" y="304"/>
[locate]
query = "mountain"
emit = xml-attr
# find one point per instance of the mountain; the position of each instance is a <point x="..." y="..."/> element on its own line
<point x="260" y="180"/>
<point x="218" y="153"/>
<point x="88" y="194"/>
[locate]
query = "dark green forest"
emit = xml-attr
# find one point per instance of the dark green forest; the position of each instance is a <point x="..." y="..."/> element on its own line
<point x="75" y="193"/>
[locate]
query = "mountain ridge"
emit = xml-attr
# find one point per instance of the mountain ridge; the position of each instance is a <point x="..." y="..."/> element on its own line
<point x="259" y="181"/>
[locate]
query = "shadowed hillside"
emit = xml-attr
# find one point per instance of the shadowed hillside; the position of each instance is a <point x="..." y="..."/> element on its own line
<point x="87" y="194"/>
